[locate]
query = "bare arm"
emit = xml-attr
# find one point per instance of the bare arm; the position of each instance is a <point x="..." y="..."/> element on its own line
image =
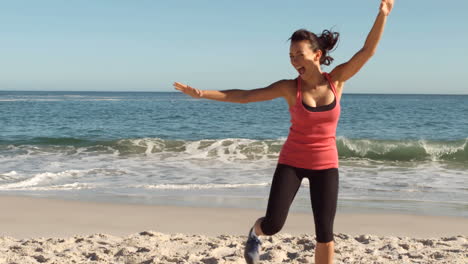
<point x="270" y="92"/>
<point x="348" y="69"/>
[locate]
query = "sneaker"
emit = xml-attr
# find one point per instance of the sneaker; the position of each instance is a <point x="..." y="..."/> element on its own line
<point x="252" y="248"/>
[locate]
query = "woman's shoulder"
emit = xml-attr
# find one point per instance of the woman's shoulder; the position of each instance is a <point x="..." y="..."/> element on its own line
<point x="287" y="85"/>
<point x="288" y="89"/>
<point x="335" y="80"/>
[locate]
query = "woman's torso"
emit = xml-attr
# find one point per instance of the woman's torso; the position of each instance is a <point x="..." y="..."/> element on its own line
<point x="311" y="142"/>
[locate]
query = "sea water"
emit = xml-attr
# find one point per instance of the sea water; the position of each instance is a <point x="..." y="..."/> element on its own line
<point x="398" y="153"/>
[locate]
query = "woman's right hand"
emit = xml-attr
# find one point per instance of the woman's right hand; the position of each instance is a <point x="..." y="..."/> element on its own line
<point x="195" y="93"/>
<point x="386" y="6"/>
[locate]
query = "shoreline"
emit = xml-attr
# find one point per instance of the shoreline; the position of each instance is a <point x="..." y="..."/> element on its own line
<point x="26" y="217"/>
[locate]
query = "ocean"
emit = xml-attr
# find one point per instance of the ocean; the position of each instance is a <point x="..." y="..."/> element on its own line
<point x="398" y="153"/>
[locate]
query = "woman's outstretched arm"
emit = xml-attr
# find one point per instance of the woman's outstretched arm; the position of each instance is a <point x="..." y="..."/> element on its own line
<point x="270" y="92"/>
<point x="348" y="69"/>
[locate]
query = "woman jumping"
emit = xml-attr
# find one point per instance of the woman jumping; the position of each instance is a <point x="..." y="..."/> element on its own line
<point x="310" y="150"/>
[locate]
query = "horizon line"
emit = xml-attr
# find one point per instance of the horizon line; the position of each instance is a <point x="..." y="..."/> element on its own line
<point x="124" y="91"/>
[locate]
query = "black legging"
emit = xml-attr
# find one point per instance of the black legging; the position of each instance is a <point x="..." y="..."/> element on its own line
<point x="323" y="194"/>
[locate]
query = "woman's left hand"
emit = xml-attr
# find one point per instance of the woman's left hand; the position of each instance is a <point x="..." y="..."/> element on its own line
<point x="195" y="93"/>
<point x="386" y="6"/>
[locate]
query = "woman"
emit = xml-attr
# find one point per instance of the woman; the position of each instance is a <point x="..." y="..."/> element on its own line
<point x="310" y="149"/>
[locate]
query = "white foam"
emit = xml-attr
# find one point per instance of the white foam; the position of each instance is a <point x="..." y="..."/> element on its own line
<point x="364" y="146"/>
<point x="64" y="187"/>
<point x="40" y="178"/>
<point x="9" y="176"/>
<point x="224" y="150"/>
<point x="11" y="173"/>
<point x="435" y="150"/>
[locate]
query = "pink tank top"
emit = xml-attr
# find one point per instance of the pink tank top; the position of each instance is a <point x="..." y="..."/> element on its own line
<point x="311" y="142"/>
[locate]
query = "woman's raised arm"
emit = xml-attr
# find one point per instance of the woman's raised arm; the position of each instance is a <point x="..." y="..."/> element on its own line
<point x="348" y="69"/>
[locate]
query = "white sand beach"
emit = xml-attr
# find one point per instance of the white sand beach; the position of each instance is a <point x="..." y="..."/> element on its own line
<point x="38" y="230"/>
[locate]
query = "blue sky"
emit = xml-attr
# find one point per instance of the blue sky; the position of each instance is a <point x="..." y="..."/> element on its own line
<point x="147" y="45"/>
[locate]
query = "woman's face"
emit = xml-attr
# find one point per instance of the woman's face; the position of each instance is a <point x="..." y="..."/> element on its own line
<point x="303" y="59"/>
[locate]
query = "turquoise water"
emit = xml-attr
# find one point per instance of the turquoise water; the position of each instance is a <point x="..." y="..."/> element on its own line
<point x="405" y="153"/>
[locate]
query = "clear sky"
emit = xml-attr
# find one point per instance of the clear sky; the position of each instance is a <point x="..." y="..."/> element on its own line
<point x="223" y="44"/>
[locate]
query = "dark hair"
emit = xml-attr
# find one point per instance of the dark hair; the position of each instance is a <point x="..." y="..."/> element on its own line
<point x="325" y="42"/>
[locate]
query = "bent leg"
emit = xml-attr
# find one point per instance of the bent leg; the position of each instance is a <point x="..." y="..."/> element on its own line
<point x="284" y="188"/>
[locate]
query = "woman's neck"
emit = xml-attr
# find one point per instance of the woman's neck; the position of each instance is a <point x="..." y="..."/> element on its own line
<point x="315" y="80"/>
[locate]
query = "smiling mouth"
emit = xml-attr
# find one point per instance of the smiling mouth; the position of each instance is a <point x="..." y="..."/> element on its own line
<point x="301" y="70"/>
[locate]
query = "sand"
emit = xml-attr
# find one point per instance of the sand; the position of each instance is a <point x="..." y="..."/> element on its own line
<point x="37" y="230"/>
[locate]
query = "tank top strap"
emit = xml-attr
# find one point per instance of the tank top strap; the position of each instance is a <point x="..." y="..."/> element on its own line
<point x="330" y="82"/>
<point x="299" y="90"/>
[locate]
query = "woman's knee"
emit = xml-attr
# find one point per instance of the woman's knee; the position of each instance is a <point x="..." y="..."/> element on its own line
<point x="270" y="227"/>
